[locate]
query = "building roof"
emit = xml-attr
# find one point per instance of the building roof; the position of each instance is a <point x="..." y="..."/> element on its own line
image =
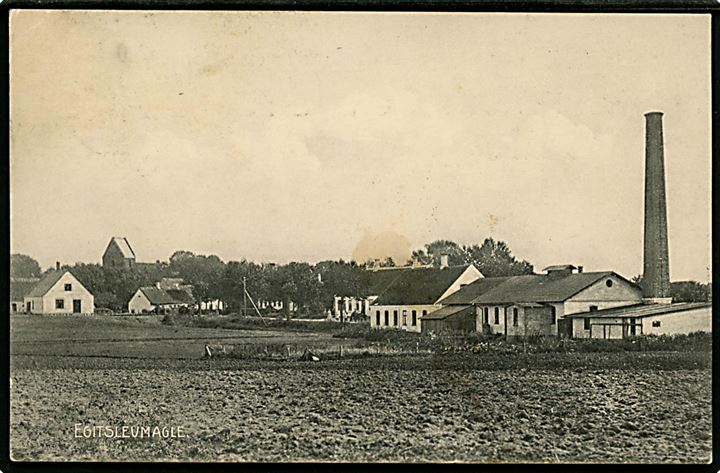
<point x="468" y="293"/>
<point x="180" y="295"/>
<point x="420" y="286"/>
<point x="446" y="311"/>
<point x="124" y="247"/>
<point x="642" y="310"/>
<point x="560" y="267"/>
<point x="46" y="283"/>
<point x="542" y="288"/>
<point x="158" y="296"/>
<point x="21" y="287"/>
<point x="377" y="280"/>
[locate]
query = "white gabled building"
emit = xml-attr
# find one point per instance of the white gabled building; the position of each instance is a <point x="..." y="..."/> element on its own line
<point x="417" y="292"/>
<point x="154" y="298"/>
<point x="59" y="292"/>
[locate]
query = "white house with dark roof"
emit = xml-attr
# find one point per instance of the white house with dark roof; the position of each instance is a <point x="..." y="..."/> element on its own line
<point x="417" y="292"/>
<point x="119" y="254"/>
<point x="59" y="292"/>
<point x="156" y="298"/>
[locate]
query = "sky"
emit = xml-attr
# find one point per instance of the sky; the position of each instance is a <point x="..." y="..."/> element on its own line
<point x="305" y="136"/>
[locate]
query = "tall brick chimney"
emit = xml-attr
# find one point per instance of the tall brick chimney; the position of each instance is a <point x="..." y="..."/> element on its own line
<point x="656" y="265"/>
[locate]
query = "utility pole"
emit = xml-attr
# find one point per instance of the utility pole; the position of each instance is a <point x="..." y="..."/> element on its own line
<point x="244" y="296"/>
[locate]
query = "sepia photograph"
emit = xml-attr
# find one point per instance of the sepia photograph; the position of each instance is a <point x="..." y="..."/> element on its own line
<point x="345" y="236"/>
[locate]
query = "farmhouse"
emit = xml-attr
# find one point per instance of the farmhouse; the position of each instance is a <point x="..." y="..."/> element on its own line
<point x="643" y="319"/>
<point x="119" y="254"/>
<point x="19" y="288"/>
<point x="59" y="292"/>
<point x="154" y="298"/>
<point x="416" y="292"/>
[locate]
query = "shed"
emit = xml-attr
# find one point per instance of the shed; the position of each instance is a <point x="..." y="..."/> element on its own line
<point x="449" y="319"/>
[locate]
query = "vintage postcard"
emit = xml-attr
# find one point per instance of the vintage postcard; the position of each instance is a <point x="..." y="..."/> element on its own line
<point x="277" y="236"/>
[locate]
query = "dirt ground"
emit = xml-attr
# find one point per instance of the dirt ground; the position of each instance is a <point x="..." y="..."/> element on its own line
<point x="299" y="413"/>
<point x="591" y="407"/>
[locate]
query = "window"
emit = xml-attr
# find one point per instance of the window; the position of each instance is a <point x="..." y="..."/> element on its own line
<point x="553" y="317"/>
<point x="395" y="318"/>
<point x="609" y="283"/>
<point x="404" y="318"/>
<point x="377" y="317"/>
<point x="414" y="318"/>
<point x="387" y="317"/>
<point x="586" y="323"/>
<point x="68" y="287"/>
<point x="486" y="315"/>
<point x="656" y="323"/>
<point x="593" y="308"/>
<point x="59" y="303"/>
<point x="424" y="312"/>
<point x="497" y="315"/>
<point x="515" y="317"/>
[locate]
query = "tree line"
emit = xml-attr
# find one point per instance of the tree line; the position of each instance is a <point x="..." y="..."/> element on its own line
<point x="311" y="287"/>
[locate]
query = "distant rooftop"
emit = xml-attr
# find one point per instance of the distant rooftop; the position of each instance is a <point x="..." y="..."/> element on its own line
<point x="560" y="267"/>
<point x="124" y="247"/>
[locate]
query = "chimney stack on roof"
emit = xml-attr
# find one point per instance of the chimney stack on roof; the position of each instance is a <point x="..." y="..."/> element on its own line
<point x="656" y="271"/>
<point x="444" y="261"/>
<point x="57" y="265"/>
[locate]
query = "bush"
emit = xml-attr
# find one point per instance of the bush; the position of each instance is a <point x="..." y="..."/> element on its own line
<point x="694" y="342"/>
<point x="366" y="332"/>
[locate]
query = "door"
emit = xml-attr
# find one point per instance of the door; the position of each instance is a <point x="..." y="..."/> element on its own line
<point x="633" y="332"/>
<point x="77" y="306"/>
<point x="565" y="328"/>
<point x="29" y="307"/>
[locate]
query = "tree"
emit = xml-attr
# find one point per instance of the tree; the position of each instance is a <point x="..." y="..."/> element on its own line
<point x="23" y="266"/>
<point x="494" y="259"/>
<point x="690" y="291"/>
<point x="684" y="291"/>
<point x="433" y="251"/>
<point x="298" y="283"/>
<point x="230" y="284"/>
<point x="204" y="273"/>
<point x="339" y="278"/>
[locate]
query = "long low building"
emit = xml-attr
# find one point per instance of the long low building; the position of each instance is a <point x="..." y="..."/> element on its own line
<point x="538" y="304"/>
<point x="643" y="319"/>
